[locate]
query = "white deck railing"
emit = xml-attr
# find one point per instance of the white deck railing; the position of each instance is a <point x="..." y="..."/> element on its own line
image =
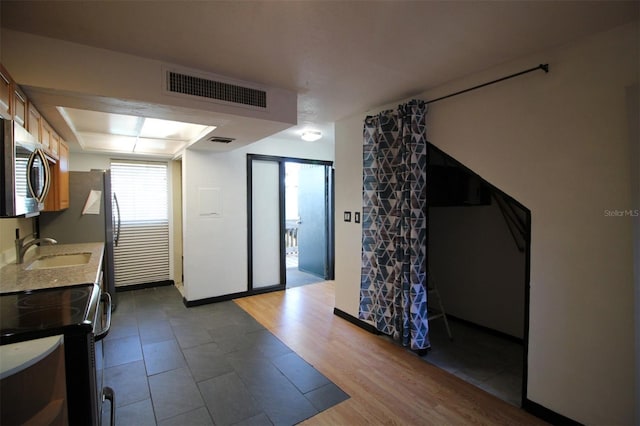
<point x="291" y="237"/>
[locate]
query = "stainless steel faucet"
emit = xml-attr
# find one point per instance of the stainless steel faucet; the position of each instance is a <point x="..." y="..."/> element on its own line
<point x="22" y="247"/>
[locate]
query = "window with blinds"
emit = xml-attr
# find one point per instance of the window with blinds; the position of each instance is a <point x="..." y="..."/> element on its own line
<point x="142" y="254"/>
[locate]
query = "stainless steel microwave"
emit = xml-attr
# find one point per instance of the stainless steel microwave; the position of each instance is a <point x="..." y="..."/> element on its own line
<point x="25" y="176"/>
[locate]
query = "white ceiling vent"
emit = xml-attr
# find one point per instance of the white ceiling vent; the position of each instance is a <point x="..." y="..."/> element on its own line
<point x="213" y="88"/>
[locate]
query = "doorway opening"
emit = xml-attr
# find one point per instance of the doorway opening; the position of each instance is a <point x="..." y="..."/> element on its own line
<point x="290" y="211"/>
<point x="478" y="257"/>
<point x="306" y="231"/>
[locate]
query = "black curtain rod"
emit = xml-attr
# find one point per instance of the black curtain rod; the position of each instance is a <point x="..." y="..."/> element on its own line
<point x="544" y="67"/>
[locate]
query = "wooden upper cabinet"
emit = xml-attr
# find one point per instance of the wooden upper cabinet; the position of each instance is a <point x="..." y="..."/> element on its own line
<point x="5" y="94"/>
<point x="54" y="144"/>
<point x="58" y="198"/>
<point x="63" y="186"/>
<point x="34" y="122"/>
<point x="15" y="105"/>
<point x="45" y="133"/>
<point x="19" y="106"/>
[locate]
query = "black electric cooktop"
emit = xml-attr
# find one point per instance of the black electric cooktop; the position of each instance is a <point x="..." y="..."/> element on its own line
<point x="47" y="312"/>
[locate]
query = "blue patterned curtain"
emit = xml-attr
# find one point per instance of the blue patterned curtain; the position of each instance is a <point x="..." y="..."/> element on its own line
<point x="393" y="292"/>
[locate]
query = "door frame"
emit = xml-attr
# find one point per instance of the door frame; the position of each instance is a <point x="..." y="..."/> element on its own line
<point x="329" y="221"/>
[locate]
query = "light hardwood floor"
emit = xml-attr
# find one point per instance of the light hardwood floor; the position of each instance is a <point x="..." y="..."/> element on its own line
<point x="387" y="383"/>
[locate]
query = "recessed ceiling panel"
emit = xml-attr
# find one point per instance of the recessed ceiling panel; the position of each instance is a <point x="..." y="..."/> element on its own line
<point x="175" y="130"/>
<point x="103" y="122"/>
<point x="106" y="142"/>
<point x="103" y="131"/>
<point x="157" y="146"/>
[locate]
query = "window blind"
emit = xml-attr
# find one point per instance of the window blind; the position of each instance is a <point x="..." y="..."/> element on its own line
<point x="142" y="254"/>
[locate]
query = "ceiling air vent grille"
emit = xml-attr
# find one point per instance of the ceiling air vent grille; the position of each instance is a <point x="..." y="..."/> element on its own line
<point x="211" y="89"/>
<point x="221" y="139"/>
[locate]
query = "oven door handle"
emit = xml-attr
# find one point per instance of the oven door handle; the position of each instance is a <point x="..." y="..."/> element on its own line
<point x="106" y="299"/>
<point x="109" y="395"/>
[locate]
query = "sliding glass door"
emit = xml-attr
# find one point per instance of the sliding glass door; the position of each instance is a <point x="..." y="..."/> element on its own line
<point x="265" y="224"/>
<point x="274" y="237"/>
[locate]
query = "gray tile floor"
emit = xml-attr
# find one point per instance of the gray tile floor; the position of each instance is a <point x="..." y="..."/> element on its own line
<point x="488" y="361"/>
<point x="297" y="278"/>
<point x="205" y="365"/>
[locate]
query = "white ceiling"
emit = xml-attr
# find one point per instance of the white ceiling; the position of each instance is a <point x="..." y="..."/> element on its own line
<point x="341" y="57"/>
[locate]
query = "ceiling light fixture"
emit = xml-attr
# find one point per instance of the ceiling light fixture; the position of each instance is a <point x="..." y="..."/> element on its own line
<point x="311" y="135"/>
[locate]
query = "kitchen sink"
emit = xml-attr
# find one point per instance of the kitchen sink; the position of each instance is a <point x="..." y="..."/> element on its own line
<point x="60" y="261"/>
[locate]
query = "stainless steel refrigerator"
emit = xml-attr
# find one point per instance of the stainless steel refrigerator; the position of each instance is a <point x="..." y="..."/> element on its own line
<point x="71" y="226"/>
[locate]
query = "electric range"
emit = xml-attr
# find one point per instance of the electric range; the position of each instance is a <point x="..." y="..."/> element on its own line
<point x="82" y="314"/>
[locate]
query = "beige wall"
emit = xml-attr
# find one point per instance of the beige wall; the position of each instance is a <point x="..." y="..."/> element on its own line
<point x="633" y="98"/>
<point x="8" y="228"/>
<point x="83" y="162"/>
<point x="478" y="269"/>
<point x="559" y="144"/>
